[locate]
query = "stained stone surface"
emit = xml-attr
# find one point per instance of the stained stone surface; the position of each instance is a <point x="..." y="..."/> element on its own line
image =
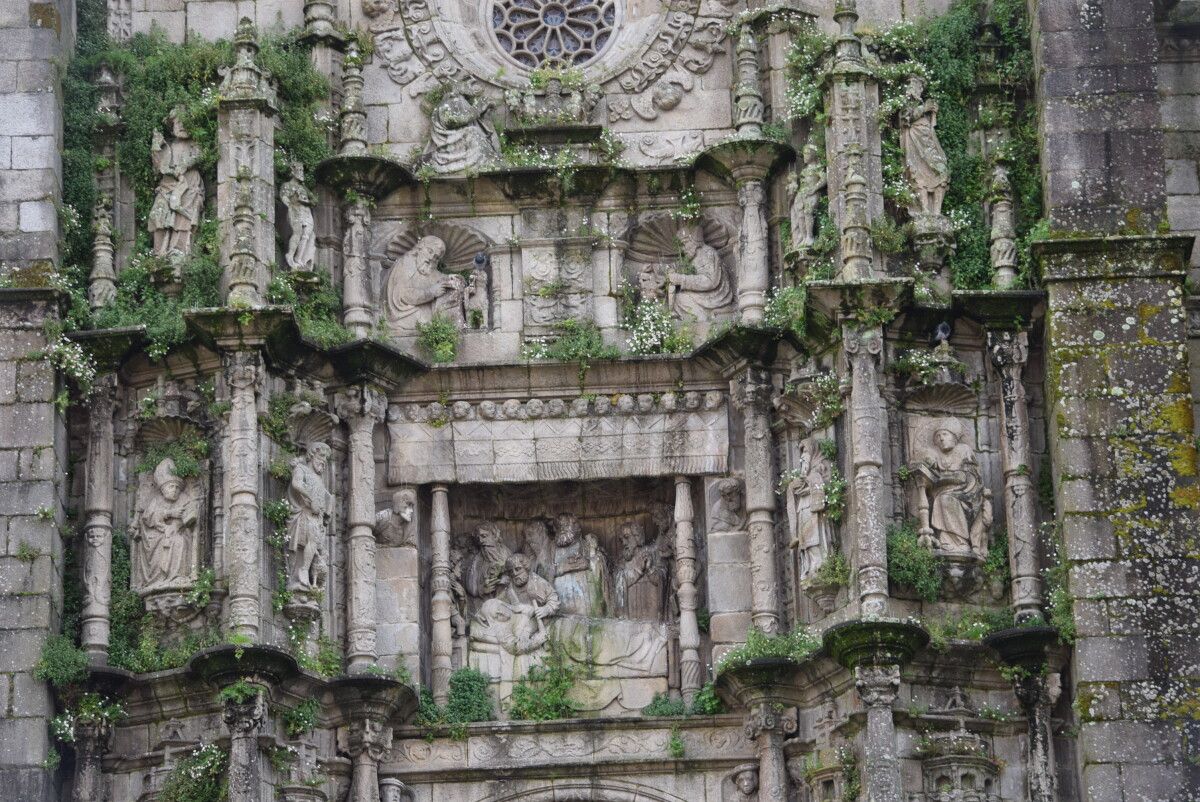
<point x="514" y="177"/>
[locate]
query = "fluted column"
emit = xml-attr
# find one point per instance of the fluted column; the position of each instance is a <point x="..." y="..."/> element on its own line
<point x="243" y="536"/>
<point x="442" y="602"/>
<point x="754" y="268"/>
<point x="98" y="507"/>
<point x="690" y="668"/>
<point x="92" y="740"/>
<point x="754" y="401"/>
<point x="1010" y="352"/>
<point x="1037" y="694"/>
<point x="877" y="686"/>
<point x="766" y="727"/>
<point x="864" y="351"/>
<point x="362" y="408"/>
<point x="245" y="720"/>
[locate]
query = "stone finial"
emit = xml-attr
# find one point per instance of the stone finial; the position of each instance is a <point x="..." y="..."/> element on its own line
<point x="246" y="80"/>
<point x="848" y="52"/>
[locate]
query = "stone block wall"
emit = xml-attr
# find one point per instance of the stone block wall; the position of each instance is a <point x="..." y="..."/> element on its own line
<point x="32" y="465"/>
<point x="1122" y="443"/>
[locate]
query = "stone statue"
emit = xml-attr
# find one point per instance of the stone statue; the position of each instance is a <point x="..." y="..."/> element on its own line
<point x="954" y="508"/>
<point x="580" y="569"/>
<point x="1003" y="235"/>
<point x="398" y="526"/>
<point x="727" y="513"/>
<point x="745" y="779"/>
<point x="301" y="253"/>
<point x="485" y="571"/>
<point x="812" y="531"/>
<point x="925" y="162"/>
<point x="164" y="530"/>
<point x="638" y="585"/>
<point x="458" y="593"/>
<point x="515" y="617"/>
<point x="417" y="290"/>
<point x="539" y="549"/>
<point x="805" y="190"/>
<point x="312" y="506"/>
<point x="460" y="138"/>
<point x="179" y="197"/>
<point x="698" y="287"/>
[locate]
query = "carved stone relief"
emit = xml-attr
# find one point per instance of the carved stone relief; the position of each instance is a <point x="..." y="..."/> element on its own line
<point x="461" y="137"/>
<point x="437" y="270"/>
<point x="164" y="531"/>
<point x="688" y="266"/>
<point x="308" y="527"/>
<point x="179" y="197"/>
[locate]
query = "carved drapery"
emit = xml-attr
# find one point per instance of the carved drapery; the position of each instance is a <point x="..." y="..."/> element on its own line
<point x="1010" y="352"/>
<point x="243" y="522"/>
<point x="690" y="668"/>
<point x="362" y="408"/>
<point x="877" y="687"/>
<point x="864" y="351"/>
<point x="98" y="506"/>
<point x="755" y="402"/>
<point x="245" y="720"/>
<point x="766" y="727"/>
<point x="442" y="604"/>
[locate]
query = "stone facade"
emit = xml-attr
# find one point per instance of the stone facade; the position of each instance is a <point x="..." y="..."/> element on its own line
<point x="603" y="414"/>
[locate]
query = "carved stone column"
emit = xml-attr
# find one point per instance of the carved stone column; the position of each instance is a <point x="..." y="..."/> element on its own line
<point x="1037" y="694"/>
<point x="749" y="112"/>
<point x="356" y="292"/>
<point x="690" y="668"/>
<point x="246" y="172"/>
<point x="755" y="403"/>
<point x="243" y="534"/>
<point x="370" y="739"/>
<point x="754" y="269"/>
<point x="1010" y="352"/>
<point x="92" y="740"/>
<point x="864" y="352"/>
<point x="877" y="686"/>
<point x="97" y="529"/>
<point x="245" y="720"/>
<point x="442" y="603"/>
<point x="352" y="122"/>
<point x="102" y="283"/>
<point x="855" y="234"/>
<point x="766" y="727"/>
<point x="362" y="408"/>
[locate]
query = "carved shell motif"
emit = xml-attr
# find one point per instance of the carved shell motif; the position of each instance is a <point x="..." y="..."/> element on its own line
<point x="462" y="243"/>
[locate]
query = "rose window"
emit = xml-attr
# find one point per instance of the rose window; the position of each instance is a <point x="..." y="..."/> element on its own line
<point x="538" y="33"/>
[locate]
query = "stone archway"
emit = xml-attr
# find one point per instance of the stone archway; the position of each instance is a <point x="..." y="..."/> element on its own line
<point x="585" y="790"/>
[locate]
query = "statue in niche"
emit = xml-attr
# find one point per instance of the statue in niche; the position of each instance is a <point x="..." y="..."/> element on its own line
<point x="745" y="779"/>
<point x="925" y="162"/>
<point x="515" y="617"/>
<point x="539" y="549"/>
<point x="805" y="190"/>
<point x="954" y="509"/>
<point x="458" y="594"/>
<point x="486" y="569"/>
<point x="398" y="526"/>
<point x="580" y="569"/>
<point x="812" y="531"/>
<point x="417" y="291"/>
<point x="638" y="585"/>
<point x="312" y="506"/>
<point x="179" y="197"/>
<point x="301" y="253"/>
<point x="460" y="136"/>
<point x="698" y="288"/>
<point x="727" y="513"/>
<point x="164" y="530"/>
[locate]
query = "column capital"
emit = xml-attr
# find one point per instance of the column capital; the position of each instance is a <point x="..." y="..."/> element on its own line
<point x="877" y="685"/>
<point x="358" y="402"/>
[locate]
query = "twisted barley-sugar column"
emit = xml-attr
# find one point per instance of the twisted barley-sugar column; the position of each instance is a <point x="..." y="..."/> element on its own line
<point x="442" y="603"/>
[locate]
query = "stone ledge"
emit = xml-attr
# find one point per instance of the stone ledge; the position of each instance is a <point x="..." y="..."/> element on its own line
<point x="1082" y="258"/>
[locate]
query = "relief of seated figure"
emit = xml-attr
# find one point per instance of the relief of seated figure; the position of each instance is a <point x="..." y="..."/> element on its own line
<point x="515" y="618"/>
<point x="699" y="287"/>
<point x="417" y="291"/>
<point x="580" y="569"/>
<point x="954" y="509"/>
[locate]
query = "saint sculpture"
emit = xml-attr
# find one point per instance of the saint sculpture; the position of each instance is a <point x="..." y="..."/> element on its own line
<point x="312" y="507"/>
<point x="954" y="508"/>
<point x="164" y="529"/>
<point x="179" y="197"/>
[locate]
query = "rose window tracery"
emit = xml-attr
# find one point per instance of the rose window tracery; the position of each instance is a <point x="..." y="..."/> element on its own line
<point x="537" y="33"/>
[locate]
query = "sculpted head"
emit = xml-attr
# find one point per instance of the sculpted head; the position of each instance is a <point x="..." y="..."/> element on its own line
<point x="404" y="503"/>
<point x="690" y="240"/>
<point x="488" y="535"/>
<point x="566" y="529"/>
<point x="428" y="251"/>
<point x="731" y="494"/>
<point x="318" y="455"/>
<point x="947" y="435"/>
<point x="518" y="569"/>
<point x="746" y="778"/>
<point x="633" y="537"/>
<point x="169" y="484"/>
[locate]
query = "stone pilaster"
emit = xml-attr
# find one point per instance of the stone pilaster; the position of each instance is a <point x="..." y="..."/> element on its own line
<point x="92" y="740"/>
<point x="246" y="173"/>
<point x="243" y="533"/>
<point x="362" y="408"/>
<point x="442" y="602"/>
<point x="1037" y="694"/>
<point x="754" y="401"/>
<point x="1126" y="494"/>
<point x="877" y="687"/>
<point x="766" y="727"/>
<point x="98" y="526"/>
<point x="1010" y="352"/>
<point x="690" y="667"/>
<point x="868" y="433"/>
<point x="245" y="721"/>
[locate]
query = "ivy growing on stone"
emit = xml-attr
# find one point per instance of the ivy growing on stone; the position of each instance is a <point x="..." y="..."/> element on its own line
<point x="544" y="694"/>
<point x="912" y="565"/>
